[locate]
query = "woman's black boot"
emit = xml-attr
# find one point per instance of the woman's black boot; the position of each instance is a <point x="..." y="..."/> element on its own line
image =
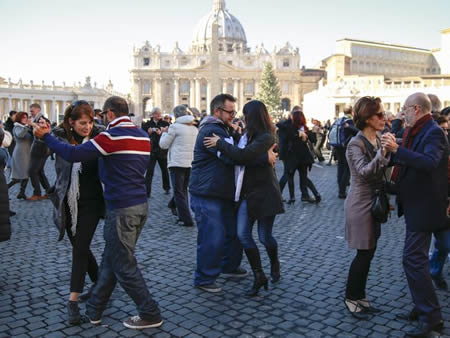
<point x="260" y="278"/>
<point x="73" y="313"/>
<point x="274" y="264"/>
<point x="23" y="187"/>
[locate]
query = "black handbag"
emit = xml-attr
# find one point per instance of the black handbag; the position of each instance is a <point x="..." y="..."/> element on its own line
<point x="380" y="207"/>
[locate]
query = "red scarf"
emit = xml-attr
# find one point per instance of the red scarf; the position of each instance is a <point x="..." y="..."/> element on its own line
<point x="408" y="140"/>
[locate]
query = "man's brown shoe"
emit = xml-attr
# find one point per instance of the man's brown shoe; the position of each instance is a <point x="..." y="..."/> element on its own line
<point x="34" y="198"/>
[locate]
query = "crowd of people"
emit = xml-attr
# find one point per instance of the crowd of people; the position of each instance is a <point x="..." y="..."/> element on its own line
<point x="222" y="169"/>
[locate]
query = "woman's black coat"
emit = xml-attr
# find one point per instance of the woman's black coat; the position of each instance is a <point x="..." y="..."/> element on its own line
<point x="297" y="151"/>
<point x="5" y="224"/>
<point x="260" y="187"/>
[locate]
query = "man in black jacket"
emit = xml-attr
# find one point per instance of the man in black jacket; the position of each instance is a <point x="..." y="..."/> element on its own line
<point x="343" y="170"/>
<point x="421" y="177"/>
<point x="154" y="128"/>
<point x="38" y="156"/>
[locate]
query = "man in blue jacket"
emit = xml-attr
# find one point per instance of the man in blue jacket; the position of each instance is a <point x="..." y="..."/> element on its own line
<point x="125" y="152"/>
<point x="212" y="190"/>
<point x="421" y="177"/>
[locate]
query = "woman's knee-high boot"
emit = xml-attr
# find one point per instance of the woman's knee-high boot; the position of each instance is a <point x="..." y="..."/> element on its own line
<point x="260" y="278"/>
<point x="274" y="263"/>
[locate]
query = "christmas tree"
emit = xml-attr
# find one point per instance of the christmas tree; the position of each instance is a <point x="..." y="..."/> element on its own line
<point x="269" y="89"/>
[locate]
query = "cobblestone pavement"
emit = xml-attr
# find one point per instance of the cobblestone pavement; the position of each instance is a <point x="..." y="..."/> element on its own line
<point x="35" y="272"/>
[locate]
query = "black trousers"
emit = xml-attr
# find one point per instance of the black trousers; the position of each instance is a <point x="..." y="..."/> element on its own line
<point x="284" y="178"/>
<point x="358" y="273"/>
<point x="305" y="182"/>
<point x="343" y="171"/>
<point x="162" y="162"/>
<point x="180" y="199"/>
<point x="83" y="260"/>
<point x="37" y="174"/>
<point x="417" y="270"/>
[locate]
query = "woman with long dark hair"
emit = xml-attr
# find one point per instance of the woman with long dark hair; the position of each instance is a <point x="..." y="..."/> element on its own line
<point x="257" y="190"/>
<point x="299" y="157"/>
<point x="78" y="200"/>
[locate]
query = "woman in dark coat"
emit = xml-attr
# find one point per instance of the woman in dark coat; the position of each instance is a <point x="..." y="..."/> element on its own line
<point x="299" y="157"/>
<point x="257" y="190"/>
<point x="78" y="200"/>
<point x="5" y="224"/>
<point x="367" y="161"/>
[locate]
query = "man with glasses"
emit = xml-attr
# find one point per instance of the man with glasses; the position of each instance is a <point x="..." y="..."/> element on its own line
<point x="421" y="179"/>
<point x="125" y="151"/>
<point x="212" y="190"/>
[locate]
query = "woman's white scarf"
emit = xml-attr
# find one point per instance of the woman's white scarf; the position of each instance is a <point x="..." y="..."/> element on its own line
<point x="239" y="170"/>
<point x="73" y="194"/>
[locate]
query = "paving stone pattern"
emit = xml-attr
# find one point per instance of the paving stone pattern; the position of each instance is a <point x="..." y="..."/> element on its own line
<point x="308" y="301"/>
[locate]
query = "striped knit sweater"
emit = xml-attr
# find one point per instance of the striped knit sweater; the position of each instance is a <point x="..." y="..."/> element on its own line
<point x="124" y="150"/>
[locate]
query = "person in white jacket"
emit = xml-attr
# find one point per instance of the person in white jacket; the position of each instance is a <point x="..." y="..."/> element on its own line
<point x="180" y="139"/>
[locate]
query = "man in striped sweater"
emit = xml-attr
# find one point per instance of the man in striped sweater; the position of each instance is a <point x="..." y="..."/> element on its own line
<point x="125" y="150"/>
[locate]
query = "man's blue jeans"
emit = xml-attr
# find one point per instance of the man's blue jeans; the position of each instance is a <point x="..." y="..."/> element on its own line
<point x="218" y="248"/>
<point x="121" y="232"/>
<point x="245" y="228"/>
<point x="440" y="254"/>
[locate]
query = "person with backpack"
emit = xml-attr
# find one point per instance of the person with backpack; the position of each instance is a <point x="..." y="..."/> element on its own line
<point x="340" y="133"/>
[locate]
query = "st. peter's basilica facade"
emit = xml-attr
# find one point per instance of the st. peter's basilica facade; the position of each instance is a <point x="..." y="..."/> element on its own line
<point x="166" y="80"/>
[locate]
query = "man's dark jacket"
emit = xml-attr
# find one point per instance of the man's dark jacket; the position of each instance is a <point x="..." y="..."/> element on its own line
<point x="422" y="180"/>
<point x="154" y="137"/>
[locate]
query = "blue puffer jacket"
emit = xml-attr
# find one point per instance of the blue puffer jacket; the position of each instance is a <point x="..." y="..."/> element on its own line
<point x="212" y="175"/>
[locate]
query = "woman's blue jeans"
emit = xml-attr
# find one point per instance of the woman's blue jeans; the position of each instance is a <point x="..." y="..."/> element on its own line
<point x="245" y="228"/>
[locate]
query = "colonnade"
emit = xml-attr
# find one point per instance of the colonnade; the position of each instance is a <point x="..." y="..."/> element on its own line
<point x="198" y="94"/>
<point x="51" y="108"/>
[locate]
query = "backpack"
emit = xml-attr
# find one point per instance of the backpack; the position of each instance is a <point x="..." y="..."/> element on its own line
<point x="336" y="137"/>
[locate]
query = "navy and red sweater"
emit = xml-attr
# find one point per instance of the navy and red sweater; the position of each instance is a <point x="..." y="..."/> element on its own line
<point x="125" y="152"/>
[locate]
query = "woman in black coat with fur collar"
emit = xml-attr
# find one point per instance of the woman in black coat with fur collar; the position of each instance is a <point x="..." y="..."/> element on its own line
<point x="257" y="190"/>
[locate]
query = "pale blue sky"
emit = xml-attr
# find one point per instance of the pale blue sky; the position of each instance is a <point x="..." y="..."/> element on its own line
<point x="69" y="40"/>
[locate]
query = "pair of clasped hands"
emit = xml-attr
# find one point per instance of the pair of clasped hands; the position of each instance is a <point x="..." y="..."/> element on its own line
<point x="389" y="143"/>
<point x="41" y="128"/>
<point x="211" y="142"/>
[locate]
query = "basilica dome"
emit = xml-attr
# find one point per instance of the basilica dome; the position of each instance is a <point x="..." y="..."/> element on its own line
<point x="231" y="34"/>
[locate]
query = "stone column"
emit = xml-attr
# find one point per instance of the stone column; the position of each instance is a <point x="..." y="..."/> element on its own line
<point x="158" y="102"/>
<point x="192" y="93"/>
<point x="236" y="92"/>
<point x="63" y="108"/>
<point x="176" y="92"/>
<point x="224" y="86"/>
<point x="54" y="116"/>
<point x="255" y="94"/>
<point x="9" y="104"/>
<point x="198" y="93"/>
<point x="208" y="96"/>
<point x="241" y="94"/>
<point x="43" y="108"/>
